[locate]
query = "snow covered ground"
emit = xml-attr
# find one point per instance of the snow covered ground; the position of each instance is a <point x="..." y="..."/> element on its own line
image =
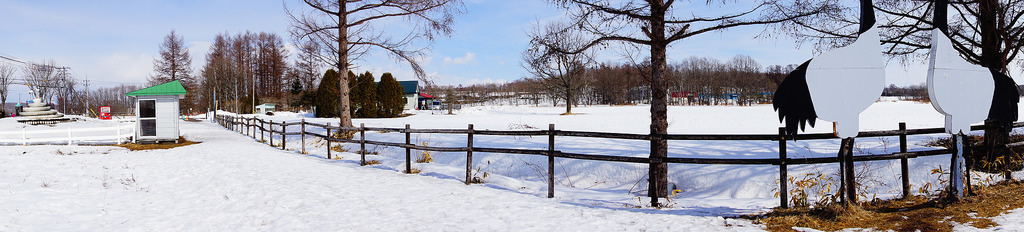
<point x="231" y="182"/>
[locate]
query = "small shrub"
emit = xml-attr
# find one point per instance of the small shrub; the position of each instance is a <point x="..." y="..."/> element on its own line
<point x="367" y="152"/>
<point x="425" y="156"/>
<point x="414" y="171"/>
<point x="338" y="148"/>
<point x="812" y="183"/>
<point x="372" y="162"/>
<point x="479" y="176"/>
<point x="344" y="134"/>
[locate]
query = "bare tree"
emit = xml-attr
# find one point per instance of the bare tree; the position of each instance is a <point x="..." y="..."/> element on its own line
<point x="655" y="24"/>
<point x="174" y="62"/>
<point x="41" y="78"/>
<point x="564" y="74"/>
<point x="347" y="30"/>
<point x="308" y="65"/>
<point x="6" y="78"/>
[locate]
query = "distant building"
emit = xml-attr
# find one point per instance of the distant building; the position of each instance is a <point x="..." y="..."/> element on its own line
<point x="157" y="108"/>
<point x="411" y="91"/>
<point x="265" y="108"/>
<point x="427" y="102"/>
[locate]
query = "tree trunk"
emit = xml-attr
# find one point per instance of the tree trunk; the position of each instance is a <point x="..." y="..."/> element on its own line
<point x="344" y="116"/>
<point x="659" y="123"/>
<point x="997" y="133"/>
<point x="568" y="102"/>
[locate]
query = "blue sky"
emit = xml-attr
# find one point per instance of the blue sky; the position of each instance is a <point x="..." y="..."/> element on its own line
<point x="115" y="41"/>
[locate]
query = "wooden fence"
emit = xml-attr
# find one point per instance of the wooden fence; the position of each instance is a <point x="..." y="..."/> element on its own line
<point x="252" y="125"/>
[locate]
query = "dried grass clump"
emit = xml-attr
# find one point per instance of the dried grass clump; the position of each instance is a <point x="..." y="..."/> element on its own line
<point x="912" y="214"/>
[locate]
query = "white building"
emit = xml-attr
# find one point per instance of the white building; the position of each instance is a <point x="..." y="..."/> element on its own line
<point x="157" y="109"/>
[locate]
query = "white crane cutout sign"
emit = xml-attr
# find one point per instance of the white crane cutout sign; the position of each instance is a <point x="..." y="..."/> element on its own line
<point x="964" y="93"/>
<point x="837" y="85"/>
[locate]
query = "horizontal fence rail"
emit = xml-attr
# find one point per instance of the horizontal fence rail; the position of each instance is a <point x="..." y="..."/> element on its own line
<point x="250" y="125"/>
<point x="113" y="134"/>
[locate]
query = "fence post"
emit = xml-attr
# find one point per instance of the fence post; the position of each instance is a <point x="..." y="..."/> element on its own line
<point x="328" y="140"/>
<point x="118" y="135"/>
<point x="851" y="180"/>
<point x="362" y="144"/>
<point x="904" y="166"/>
<point x="24" y="137"/>
<point x="69" y="136"/>
<point x="408" y="151"/>
<point x="263" y="130"/>
<point x="783" y="172"/>
<point x="303" y="135"/>
<point x="284" y="135"/>
<point x="551" y="160"/>
<point x="271" y="133"/>
<point x="469" y="155"/>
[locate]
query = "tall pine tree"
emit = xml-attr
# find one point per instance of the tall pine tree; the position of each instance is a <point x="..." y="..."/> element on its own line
<point x="327" y="95"/>
<point x="391" y="96"/>
<point x="366" y="91"/>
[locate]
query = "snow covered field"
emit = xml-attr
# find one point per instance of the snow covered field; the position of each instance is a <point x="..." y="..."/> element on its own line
<point x="230" y="182"/>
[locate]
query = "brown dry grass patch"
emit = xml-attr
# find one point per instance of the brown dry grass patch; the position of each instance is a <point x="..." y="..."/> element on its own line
<point x="912" y="214"/>
<point x="138" y="146"/>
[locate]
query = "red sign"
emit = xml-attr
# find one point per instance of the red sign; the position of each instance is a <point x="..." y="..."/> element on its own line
<point x="105" y="112"/>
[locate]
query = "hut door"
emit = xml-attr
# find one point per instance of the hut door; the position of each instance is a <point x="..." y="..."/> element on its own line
<point x="147" y="117"/>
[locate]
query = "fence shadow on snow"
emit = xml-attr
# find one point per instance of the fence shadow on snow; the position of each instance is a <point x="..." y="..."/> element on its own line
<point x="252" y="125"/>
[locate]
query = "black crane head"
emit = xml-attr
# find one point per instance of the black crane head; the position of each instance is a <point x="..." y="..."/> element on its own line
<point x="867" y="16"/>
<point x="939" y="18"/>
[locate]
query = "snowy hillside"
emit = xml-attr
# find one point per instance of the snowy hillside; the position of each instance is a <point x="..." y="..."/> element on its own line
<point x="231" y="182"/>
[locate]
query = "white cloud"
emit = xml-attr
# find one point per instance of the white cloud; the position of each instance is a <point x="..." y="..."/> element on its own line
<point x="123" y="68"/>
<point x="469" y="57"/>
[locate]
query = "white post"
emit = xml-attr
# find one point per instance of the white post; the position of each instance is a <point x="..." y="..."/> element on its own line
<point x="118" y="129"/>
<point x="956" y="170"/>
<point x="69" y="136"/>
<point x="24" y="137"/>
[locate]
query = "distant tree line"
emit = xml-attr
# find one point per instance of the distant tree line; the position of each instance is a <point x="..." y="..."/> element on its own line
<point x="692" y="81"/>
<point x="917" y="92"/>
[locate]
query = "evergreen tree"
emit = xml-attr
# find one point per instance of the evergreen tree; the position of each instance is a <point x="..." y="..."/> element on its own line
<point x="366" y="91"/>
<point x="352" y="98"/>
<point x="391" y="96"/>
<point x="296" y="86"/>
<point x="327" y="95"/>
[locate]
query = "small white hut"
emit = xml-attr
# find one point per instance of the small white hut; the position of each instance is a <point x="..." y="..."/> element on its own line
<point x="157" y="109"/>
<point x="265" y="108"/>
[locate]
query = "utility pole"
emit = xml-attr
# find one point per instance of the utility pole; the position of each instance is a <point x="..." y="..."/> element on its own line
<point x="87" y="96"/>
<point x="253" y="95"/>
<point x="216" y="82"/>
<point x="63" y="80"/>
<point x="236" y="97"/>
